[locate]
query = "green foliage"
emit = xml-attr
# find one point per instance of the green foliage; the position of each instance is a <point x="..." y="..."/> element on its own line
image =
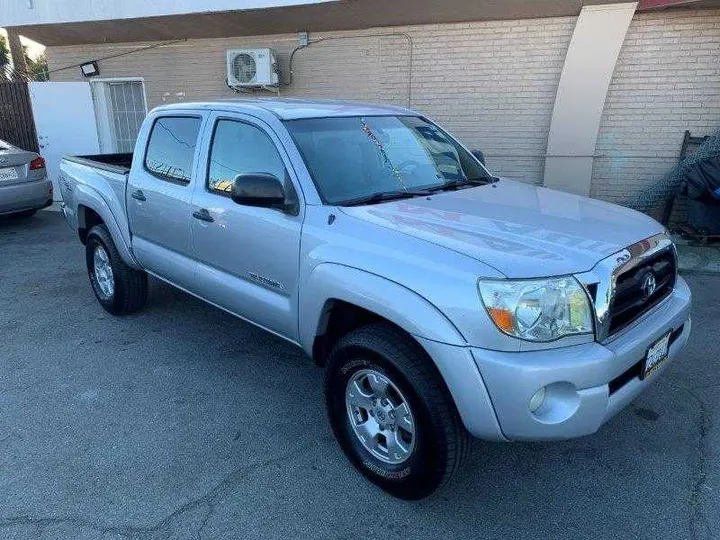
<point x="4" y="52"/>
<point x="37" y="68"/>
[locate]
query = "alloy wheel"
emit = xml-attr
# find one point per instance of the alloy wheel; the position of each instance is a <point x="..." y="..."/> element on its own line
<point x="380" y="416"/>
<point x="103" y="271"/>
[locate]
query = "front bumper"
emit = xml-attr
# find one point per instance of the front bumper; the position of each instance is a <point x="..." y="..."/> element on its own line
<point x="25" y="196"/>
<point x="586" y="384"/>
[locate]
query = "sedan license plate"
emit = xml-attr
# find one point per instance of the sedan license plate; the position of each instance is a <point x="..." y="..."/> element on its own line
<point x="656" y="354"/>
<point x="8" y="174"/>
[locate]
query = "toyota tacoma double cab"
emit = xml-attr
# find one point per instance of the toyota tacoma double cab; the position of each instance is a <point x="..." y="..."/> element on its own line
<point x="443" y="302"/>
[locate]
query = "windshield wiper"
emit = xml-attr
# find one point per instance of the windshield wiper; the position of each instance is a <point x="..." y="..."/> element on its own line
<point x="455" y="184"/>
<point x="382" y="196"/>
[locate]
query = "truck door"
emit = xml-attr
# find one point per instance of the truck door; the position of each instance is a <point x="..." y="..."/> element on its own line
<point x="159" y="192"/>
<point x="247" y="256"/>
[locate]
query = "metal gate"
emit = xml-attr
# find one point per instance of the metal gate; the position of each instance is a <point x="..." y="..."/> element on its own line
<point x="17" y="125"/>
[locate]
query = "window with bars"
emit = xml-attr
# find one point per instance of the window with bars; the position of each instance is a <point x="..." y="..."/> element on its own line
<point x="126" y="108"/>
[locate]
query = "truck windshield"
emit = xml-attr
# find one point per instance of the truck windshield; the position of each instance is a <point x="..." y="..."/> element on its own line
<point x="357" y="158"/>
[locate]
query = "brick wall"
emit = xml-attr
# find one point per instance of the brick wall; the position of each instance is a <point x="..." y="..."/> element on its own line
<point x="667" y="80"/>
<point x="492" y="84"/>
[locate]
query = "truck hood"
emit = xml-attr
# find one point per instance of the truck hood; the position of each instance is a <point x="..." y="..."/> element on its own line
<point x="521" y="230"/>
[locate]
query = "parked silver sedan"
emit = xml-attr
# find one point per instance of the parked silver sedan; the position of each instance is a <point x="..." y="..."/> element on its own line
<point x="24" y="185"/>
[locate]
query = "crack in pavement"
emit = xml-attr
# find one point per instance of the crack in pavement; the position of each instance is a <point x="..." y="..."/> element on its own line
<point x="699" y="525"/>
<point x="210" y="500"/>
<point x="204" y="522"/>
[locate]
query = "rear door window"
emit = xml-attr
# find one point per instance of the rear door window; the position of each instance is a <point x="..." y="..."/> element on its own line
<point x="171" y="148"/>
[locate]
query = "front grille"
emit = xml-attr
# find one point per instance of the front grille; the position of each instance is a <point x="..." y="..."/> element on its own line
<point x="630" y="299"/>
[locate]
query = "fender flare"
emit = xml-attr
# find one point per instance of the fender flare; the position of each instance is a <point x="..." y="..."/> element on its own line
<point x="393" y="301"/>
<point x="89" y="198"/>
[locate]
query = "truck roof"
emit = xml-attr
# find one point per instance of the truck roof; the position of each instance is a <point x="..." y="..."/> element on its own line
<point x="294" y="108"/>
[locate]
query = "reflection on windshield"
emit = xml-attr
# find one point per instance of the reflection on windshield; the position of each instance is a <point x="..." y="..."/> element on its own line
<point x="356" y="157"/>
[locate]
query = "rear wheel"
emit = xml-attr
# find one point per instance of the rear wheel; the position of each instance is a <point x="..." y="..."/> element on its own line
<point x="391" y="412"/>
<point x="119" y="288"/>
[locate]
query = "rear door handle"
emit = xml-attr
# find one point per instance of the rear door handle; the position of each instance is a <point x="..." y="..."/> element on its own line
<point x="203" y="215"/>
<point x="138" y="194"/>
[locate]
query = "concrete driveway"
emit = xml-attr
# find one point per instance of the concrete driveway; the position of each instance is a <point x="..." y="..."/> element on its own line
<point x="182" y="422"/>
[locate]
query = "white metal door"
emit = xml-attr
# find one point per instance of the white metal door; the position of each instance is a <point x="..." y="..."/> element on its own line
<point x="64" y="121"/>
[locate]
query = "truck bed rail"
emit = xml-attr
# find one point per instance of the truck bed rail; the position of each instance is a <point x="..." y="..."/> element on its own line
<point x="116" y="163"/>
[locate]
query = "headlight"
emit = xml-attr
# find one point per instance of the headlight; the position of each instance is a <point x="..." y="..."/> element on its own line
<point x="538" y="309"/>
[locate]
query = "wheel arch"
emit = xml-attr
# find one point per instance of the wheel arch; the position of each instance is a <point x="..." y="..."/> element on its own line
<point x="337" y="298"/>
<point x="93" y="210"/>
<point x="87" y="218"/>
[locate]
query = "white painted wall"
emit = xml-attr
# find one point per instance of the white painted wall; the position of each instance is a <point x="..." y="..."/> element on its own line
<point x="25" y="12"/>
<point x="66" y="129"/>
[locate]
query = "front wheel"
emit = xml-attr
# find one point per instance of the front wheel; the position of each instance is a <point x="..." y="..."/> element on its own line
<point x="392" y="413"/>
<point x="119" y="288"/>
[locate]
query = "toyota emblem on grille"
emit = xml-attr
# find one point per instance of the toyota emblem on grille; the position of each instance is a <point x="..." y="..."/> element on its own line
<point x="649" y="285"/>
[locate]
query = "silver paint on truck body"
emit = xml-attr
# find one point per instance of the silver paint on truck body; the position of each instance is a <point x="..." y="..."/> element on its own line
<point x="415" y="262"/>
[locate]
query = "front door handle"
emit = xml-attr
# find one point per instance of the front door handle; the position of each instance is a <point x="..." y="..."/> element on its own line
<point x="203" y="215"/>
<point x="138" y="194"/>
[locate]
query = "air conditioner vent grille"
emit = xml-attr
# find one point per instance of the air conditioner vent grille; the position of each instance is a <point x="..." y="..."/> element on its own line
<point x="244" y="67"/>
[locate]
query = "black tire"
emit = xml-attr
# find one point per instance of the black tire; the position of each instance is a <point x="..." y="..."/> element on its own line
<point x="130" y="285"/>
<point x="442" y="442"/>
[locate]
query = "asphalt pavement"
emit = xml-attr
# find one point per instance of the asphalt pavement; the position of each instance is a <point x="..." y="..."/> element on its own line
<point x="182" y="422"/>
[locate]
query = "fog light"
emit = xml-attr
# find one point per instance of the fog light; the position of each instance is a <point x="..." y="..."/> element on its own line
<point x="537" y="400"/>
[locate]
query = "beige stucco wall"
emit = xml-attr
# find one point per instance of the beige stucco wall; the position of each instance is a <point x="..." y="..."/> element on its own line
<point x="493" y="84"/>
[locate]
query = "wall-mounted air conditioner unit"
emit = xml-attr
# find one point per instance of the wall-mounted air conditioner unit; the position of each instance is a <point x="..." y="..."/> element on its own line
<point x="247" y="68"/>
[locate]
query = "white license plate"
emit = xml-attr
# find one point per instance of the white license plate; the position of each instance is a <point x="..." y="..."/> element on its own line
<point x="8" y="174"/>
<point x="656" y="354"/>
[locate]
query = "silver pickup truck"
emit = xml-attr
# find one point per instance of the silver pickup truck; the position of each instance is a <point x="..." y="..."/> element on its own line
<point x="442" y="301"/>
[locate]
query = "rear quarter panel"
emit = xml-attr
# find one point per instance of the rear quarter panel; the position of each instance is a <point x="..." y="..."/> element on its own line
<point x="101" y="190"/>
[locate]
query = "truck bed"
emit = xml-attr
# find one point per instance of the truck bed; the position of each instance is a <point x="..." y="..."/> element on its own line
<point x="102" y="178"/>
<point x="117" y="163"/>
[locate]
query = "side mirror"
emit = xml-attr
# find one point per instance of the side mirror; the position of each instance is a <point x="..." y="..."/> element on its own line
<point x="479" y="156"/>
<point x="258" y="189"/>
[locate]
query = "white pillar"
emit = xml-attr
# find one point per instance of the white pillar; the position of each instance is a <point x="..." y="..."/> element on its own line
<point x="599" y="34"/>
